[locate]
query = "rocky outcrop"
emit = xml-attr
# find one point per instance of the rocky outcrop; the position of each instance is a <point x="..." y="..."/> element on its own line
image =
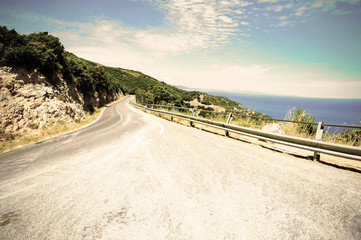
<point x="196" y="103"/>
<point x="273" y="128"/>
<point x="27" y="103"/>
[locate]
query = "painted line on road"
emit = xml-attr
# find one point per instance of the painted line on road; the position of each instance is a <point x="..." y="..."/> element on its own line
<point x="147" y="141"/>
<point x="152" y="120"/>
<point x="120" y="119"/>
<point x="18" y="191"/>
<point x="161" y="129"/>
<point x="98" y="118"/>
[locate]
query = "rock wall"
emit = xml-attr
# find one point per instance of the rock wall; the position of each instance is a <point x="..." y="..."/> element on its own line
<point x="28" y="103"/>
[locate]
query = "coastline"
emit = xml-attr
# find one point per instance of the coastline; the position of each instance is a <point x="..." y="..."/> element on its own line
<point x="329" y="110"/>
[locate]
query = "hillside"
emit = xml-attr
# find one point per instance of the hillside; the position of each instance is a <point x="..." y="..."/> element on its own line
<point x="41" y="83"/>
<point x="148" y="90"/>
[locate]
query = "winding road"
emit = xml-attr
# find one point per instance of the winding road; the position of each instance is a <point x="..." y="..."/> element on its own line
<point x="131" y="175"/>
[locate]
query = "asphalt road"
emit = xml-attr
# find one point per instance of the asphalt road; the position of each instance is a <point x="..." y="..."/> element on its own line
<point x="135" y="176"/>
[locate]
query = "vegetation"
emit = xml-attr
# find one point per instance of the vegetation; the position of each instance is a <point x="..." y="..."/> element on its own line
<point x="346" y="136"/>
<point x="306" y="129"/>
<point x="151" y="91"/>
<point x="308" y="126"/>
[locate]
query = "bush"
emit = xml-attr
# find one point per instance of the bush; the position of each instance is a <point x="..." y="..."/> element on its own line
<point x="5" y="137"/>
<point x="301" y="116"/>
<point x="35" y="51"/>
<point x="349" y="136"/>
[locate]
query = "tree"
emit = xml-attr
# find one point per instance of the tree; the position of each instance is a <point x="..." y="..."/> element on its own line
<point x="161" y="94"/>
<point x="301" y="116"/>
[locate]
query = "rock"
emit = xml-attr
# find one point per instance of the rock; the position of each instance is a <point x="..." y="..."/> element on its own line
<point x="3" y="95"/>
<point x="23" y="100"/>
<point x="17" y="86"/>
<point x="273" y="128"/>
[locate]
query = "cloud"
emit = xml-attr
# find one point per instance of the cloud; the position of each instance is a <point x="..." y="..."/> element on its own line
<point x="332" y="4"/>
<point x="225" y="19"/>
<point x="233" y="76"/>
<point x="340" y="12"/>
<point x="318" y="4"/>
<point x="278" y="80"/>
<point x="189" y="26"/>
<point x="267" y="1"/>
<point x="114" y="35"/>
<point x="213" y="22"/>
<point x="300" y="10"/>
<point x="278" y="8"/>
<point x="284" y="23"/>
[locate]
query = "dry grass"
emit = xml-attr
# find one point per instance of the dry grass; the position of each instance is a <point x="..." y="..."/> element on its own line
<point x="57" y="128"/>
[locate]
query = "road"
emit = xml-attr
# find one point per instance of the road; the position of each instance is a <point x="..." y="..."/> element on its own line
<point x="132" y="175"/>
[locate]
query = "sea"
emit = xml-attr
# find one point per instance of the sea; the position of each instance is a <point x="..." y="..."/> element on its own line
<point x="327" y="110"/>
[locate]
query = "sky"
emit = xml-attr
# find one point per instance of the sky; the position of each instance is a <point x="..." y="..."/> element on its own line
<point x="307" y="48"/>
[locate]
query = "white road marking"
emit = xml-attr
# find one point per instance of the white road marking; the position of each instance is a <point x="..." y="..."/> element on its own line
<point x="147" y="141"/>
<point x="161" y="129"/>
<point x="150" y="119"/>
<point x="20" y="190"/>
<point x="120" y="119"/>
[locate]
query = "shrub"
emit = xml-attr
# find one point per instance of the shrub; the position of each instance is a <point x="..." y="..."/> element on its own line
<point x="301" y="116"/>
<point x="5" y="137"/>
<point x="349" y="136"/>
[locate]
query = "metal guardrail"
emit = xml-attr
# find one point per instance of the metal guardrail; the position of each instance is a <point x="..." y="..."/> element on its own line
<point x="317" y="146"/>
<point x="259" y="117"/>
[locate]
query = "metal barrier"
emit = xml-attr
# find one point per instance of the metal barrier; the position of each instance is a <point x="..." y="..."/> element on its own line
<point x="316" y="145"/>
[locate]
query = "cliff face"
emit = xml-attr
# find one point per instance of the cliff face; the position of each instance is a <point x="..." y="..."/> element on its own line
<point x="27" y="103"/>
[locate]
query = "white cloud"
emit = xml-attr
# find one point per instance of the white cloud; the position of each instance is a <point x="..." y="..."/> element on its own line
<point x="217" y="76"/>
<point x="225" y="19"/>
<point x="278" y="8"/>
<point x="264" y="1"/>
<point x="318" y="4"/>
<point x="243" y="4"/>
<point x="191" y="25"/>
<point x="284" y="23"/>
<point x="213" y="22"/>
<point x="278" y="80"/>
<point x="282" y="17"/>
<point x="300" y="10"/>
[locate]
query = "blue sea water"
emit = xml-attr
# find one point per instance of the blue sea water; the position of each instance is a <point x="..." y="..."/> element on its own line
<point x="327" y="110"/>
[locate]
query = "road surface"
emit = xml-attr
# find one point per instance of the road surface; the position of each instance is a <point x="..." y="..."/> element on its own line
<point x="135" y="176"/>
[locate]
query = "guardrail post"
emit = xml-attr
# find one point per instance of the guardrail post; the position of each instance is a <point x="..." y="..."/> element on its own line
<point x="319" y="133"/>
<point x="228" y="122"/>
<point x="191" y="123"/>
<point x="229" y="118"/>
<point x="171" y="118"/>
